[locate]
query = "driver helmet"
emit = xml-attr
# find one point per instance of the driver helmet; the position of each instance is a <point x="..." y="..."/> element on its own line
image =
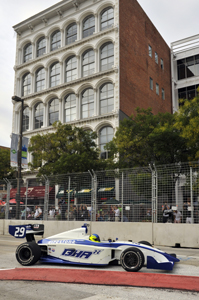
<point x="94" y="238"/>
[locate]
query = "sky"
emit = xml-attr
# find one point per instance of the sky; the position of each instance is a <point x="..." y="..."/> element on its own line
<point x="174" y="19"/>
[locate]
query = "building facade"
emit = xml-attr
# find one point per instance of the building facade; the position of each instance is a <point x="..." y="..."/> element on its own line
<point x="184" y="69"/>
<point x="90" y="64"/>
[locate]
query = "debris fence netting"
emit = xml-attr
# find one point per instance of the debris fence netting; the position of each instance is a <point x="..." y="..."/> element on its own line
<point x="167" y="193"/>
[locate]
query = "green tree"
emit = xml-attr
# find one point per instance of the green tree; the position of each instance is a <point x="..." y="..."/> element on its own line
<point x="145" y="139"/>
<point x="6" y="171"/>
<point x="187" y="121"/>
<point x="67" y="150"/>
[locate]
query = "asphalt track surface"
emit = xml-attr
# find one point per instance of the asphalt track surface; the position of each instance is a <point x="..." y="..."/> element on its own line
<point x="43" y="281"/>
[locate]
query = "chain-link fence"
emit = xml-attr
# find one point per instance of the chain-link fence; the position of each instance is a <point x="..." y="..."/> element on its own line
<point x="168" y="193"/>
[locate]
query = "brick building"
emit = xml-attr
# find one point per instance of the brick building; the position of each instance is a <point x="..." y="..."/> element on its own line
<point x="89" y="63"/>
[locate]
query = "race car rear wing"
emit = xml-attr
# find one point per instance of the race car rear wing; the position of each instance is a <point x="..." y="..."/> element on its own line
<point x="28" y="231"/>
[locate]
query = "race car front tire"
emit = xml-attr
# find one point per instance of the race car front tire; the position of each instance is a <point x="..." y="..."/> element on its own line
<point x="132" y="259"/>
<point x="145" y="243"/>
<point x="28" y="254"/>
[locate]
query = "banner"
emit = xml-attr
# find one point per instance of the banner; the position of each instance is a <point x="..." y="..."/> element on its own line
<point x="14" y="151"/>
<point x="24" y="154"/>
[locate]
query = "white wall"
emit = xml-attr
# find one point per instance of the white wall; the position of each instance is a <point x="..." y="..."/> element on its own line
<point x="160" y="234"/>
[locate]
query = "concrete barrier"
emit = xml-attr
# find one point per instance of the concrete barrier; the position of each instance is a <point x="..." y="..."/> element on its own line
<point x="187" y="235"/>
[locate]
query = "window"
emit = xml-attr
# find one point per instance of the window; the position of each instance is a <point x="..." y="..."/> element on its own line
<point x="188" y="93"/>
<point x="70" y="108"/>
<point x="40" y="80"/>
<point x="41" y="46"/>
<point x="54" y="74"/>
<point x="87" y="107"/>
<point x="106" y="98"/>
<point x="107" y="18"/>
<point x="151" y="83"/>
<point x="156" y="57"/>
<point x="157" y="89"/>
<point x="88" y="63"/>
<point x="71" y="69"/>
<point x="53" y="111"/>
<point x="107" y="57"/>
<point x="163" y="94"/>
<point x="162" y="64"/>
<point x="26" y="84"/>
<point x="27" y="53"/>
<point x="39" y="115"/>
<point x="55" y="40"/>
<point x="25" y="119"/>
<point x="188" y="67"/>
<point x="150" y="51"/>
<point x="105" y="136"/>
<point x="71" y="33"/>
<point x="88" y="26"/>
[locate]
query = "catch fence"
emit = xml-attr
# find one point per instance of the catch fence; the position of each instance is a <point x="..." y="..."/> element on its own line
<point x="148" y="194"/>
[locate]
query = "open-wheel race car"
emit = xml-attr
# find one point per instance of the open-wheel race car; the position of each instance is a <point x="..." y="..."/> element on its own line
<point x="78" y="248"/>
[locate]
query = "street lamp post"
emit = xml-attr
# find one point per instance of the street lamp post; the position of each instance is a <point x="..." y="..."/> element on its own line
<point x="18" y="99"/>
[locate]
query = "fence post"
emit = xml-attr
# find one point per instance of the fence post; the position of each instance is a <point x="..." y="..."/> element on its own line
<point x="154" y="193"/>
<point x="7" y="198"/>
<point x="191" y="192"/>
<point x="122" y="197"/>
<point x="26" y="202"/>
<point x="93" y="195"/>
<point x="68" y="197"/>
<point x="46" y="199"/>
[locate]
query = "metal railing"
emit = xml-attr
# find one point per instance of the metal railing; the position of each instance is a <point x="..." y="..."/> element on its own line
<point x="167" y="193"/>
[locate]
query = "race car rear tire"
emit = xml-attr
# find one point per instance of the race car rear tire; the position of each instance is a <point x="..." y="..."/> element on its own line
<point x="28" y="254"/>
<point x="132" y="259"/>
<point x="145" y="243"/>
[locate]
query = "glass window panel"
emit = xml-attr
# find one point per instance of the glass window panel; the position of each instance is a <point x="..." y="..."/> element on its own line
<point x="39" y="115"/>
<point x="71" y="34"/>
<point x="70" y="108"/>
<point x="41" y="46"/>
<point x="55" y="40"/>
<point x="27" y="52"/>
<point x="88" y="26"/>
<point x="26" y="84"/>
<point x="55" y="75"/>
<point x="107" y="18"/>
<point x="25" y="125"/>
<point x="71" y="69"/>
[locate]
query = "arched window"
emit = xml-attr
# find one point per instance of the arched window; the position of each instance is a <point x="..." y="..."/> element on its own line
<point x="106" y="56"/>
<point x="71" y="69"/>
<point x="70" y="108"/>
<point x="105" y="136"/>
<point x="27" y="52"/>
<point x="53" y="111"/>
<point x="71" y="33"/>
<point x="54" y="74"/>
<point x="88" y="26"/>
<point x="55" y="40"/>
<point x="40" y="80"/>
<point x="38" y="115"/>
<point x="41" y="46"/>
<point x="88" y="63"/>
<point x="25" y="119"/>
<point x="107" y="18"/>
<point x="26" y="84"/>
<point x="106" y="98"/>
<point x="87" y="107"/>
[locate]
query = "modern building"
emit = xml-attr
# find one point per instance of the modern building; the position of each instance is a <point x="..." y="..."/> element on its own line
<point x="184" y="69"/>
<point x="89" y="63"/>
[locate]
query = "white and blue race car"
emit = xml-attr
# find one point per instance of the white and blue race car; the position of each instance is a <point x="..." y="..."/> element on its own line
<point x="76" y="247"/>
